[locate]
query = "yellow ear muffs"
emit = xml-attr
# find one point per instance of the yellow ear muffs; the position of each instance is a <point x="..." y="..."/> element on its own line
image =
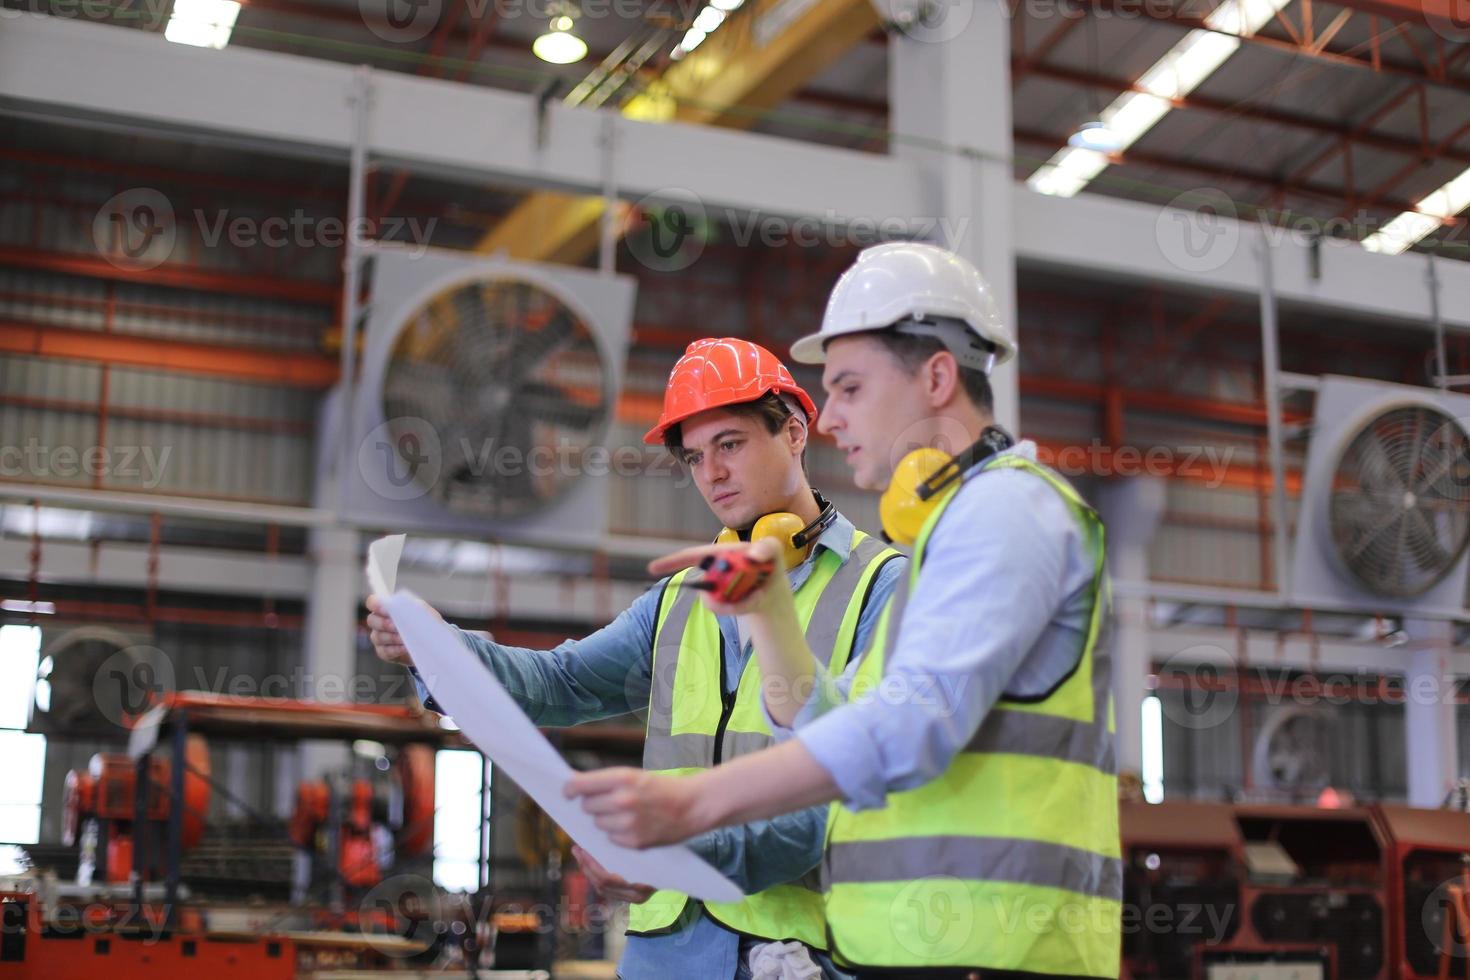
<point x="783" y="527"/>
<point x="918" y="479"/>
<point x="901" y="508"/>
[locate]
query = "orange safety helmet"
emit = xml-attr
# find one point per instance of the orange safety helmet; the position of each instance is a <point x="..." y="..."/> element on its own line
<point x="722" y="371"/>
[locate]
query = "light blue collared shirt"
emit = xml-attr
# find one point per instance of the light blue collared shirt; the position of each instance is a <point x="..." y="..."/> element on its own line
<point x="610" y="673"/>
<point x="1001" y="605"/>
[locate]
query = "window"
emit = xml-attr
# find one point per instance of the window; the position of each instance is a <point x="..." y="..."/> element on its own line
<point x="1153" y="749"/>
<point x="24" y="754"/>
<point x="457" y="775"/>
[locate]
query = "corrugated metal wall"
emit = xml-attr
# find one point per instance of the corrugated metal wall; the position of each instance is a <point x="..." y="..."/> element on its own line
<point x="164" y="431"/>
<point x="1211" y="761"/>
<point x="214" y="228"/>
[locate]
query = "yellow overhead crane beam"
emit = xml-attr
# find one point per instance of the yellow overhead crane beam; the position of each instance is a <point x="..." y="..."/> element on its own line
<point x="762" y="55"/>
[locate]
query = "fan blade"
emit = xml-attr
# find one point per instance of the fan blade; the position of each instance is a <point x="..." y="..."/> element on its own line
<point x="1416" y="448"/>
<point x="1375" y="469"/>
<point x="1355" y="510"/>
<point x="1425" y="549"/>
<point x="554" y="405"/>
<point x="1437" y="479"/>
<point x="1366" y="537"/>
<point x="423" y="389"/>
<point x="534" y="346"/>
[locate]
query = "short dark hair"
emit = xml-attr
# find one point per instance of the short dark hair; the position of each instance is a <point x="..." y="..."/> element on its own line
<point x="768" y="409"/>
<point x="911" y="352"/>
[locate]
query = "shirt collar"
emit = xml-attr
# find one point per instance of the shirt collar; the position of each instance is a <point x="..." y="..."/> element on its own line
<point x="837" y="538"/>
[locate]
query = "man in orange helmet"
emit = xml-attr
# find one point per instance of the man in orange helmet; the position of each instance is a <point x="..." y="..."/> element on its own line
<point x="735" y="416"/>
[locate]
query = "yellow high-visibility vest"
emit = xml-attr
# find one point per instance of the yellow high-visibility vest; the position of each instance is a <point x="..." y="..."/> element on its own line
<point x="1009" y="860"/>
<point x="693" y="724"/>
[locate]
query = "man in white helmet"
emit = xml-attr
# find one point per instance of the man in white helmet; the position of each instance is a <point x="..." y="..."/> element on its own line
<point x="971" y="748"/>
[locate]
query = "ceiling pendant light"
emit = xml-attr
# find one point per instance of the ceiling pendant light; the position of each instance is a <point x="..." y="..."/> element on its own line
<point x="559" y="45"/>
<point x="1094" y="135"/>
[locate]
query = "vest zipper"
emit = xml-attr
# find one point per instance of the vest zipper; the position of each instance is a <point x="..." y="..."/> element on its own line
<point x="727" y="706"/>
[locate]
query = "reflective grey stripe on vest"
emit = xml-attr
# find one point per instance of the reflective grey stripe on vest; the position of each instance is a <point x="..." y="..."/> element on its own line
<point x="1033" y="733"/>
<point x="831" y="608"/>
<point x="1022" y="862"/>
<point x="744" y="743"/>
<point x="1030" y="733"/>
<point x="666" y="649"/>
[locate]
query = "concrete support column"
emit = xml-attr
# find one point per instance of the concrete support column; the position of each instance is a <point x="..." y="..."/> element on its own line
<point x="1429" y="713"/>
<point x="330" y="656"/>
<point x="950" y="87"/>
<point x="1131" y="509"/>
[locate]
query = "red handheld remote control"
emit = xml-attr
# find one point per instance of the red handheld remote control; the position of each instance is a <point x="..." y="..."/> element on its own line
<point x="731" y="577"/>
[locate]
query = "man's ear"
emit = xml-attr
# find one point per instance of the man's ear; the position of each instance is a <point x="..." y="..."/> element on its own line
<point x="796" y="435"/>
<point x="941" y="377"/>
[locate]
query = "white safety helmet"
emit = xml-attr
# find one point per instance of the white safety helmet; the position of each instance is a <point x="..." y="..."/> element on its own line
<point x="923" y="289"/>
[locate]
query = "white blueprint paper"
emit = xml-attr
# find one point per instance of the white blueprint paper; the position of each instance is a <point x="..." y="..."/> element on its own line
<point x="485" y="712"/>
<point x="382" y="564"/>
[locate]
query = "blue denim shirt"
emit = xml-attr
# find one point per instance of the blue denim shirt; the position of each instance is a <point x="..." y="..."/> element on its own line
<point x="609" y="673"/>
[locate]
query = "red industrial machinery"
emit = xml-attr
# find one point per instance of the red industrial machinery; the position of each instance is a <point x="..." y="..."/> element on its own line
<point x="397" y="798"/>
<point x="343" y="887"/>
<point x="1369" y="893"/>
<point x="131" y="913"/>
<point x="100" y="803"/>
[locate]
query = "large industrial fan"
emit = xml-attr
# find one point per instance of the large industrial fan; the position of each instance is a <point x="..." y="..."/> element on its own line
<point x="486" y="391"/>
<point x="93" y="679"/>
<point x="1385" y="511"/>
<point x="1292" y="753"/>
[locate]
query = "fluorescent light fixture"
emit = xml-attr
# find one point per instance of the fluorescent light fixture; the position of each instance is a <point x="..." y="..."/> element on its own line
<point x="1068" y="172"/>
<point x="1180" y="71"/>
<point x="709" y="19"/>
<point x="559" y="47"/>
<point x="1133" y="114"/>
<point x="1153" y="749"/>
<point x="1196" y="57"/>
<point x="728" y="6"/>
<point x="23" y="606"/>
<point x="693" y="38"/>
<point x="1429" y="213"/>
<point x="678" y="53"/>
<point x="202" y="23"/>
